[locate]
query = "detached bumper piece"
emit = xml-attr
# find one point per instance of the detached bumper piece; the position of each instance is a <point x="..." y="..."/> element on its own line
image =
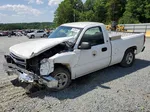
<point x="49" y="81"/>
<point x="29" y="77"/>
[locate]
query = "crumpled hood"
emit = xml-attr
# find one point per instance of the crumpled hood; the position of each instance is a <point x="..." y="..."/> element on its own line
<point x="30" y="49"/>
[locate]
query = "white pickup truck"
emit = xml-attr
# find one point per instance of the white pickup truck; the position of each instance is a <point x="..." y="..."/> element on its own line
<point x="71" y="51"/>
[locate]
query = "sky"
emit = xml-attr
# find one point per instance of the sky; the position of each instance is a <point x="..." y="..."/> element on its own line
<point x="20" y="11"/>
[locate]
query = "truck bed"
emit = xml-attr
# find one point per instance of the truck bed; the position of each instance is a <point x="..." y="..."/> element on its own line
<point x="121" y="41"/>
<point x="120" y="35"/>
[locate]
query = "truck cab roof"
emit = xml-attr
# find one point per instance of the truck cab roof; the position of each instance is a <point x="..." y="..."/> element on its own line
<point x="81" y="24"/>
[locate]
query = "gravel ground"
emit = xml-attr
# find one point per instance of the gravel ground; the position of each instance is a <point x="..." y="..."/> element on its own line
<point x="113" y="89"/>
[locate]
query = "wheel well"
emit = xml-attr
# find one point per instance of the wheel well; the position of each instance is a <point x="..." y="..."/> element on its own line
<point x="66" y="66"/>
<point x="133" y="47"/>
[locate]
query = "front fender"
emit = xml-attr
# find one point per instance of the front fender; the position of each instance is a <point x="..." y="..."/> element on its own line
<point x="66" y="58"/>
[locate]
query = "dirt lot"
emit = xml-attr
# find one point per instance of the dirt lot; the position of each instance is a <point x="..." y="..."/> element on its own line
<point x="113" y="89"/>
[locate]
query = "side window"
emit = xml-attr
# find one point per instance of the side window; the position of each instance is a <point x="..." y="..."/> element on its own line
<point x="40" y="31"/>
<point x="94" y="36"/>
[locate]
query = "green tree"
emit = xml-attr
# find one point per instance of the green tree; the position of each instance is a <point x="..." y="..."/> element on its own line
<point x="88" y="14"/>
<point x="100" y="11"/>
<point x="136" y="11"/>
<point x="115" y="9"/>
<point x="147" y="10"/>
<point x="89" y="5"/>
<point x="77" y="8"/>
<point x="64" y="13"/>
<point x="68" y="11"/>
<point x="124" y="11"/>
<point x="19" y="26"/>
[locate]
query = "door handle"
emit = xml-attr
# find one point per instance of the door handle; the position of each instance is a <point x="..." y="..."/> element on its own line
<point x="104" y="49"/>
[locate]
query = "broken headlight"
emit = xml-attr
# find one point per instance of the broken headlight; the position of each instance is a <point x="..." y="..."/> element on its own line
<point x="45" y="68"/>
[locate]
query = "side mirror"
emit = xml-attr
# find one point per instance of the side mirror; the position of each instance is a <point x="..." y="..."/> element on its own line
<point x="85" y="45"/>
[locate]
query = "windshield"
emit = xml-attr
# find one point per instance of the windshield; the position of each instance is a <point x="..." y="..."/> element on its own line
<point x="65" y="31"/>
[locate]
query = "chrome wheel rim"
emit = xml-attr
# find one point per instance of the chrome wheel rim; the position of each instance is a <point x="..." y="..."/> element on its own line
<point x="62" y="80"/>
<point x="129" y="58"/>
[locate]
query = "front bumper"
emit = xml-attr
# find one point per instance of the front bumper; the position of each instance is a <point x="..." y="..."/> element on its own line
<point x="29" y="77"/>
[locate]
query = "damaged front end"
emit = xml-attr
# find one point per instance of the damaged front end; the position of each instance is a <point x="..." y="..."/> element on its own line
<point x="18" y="66"/>
<point x="34" y="64"/>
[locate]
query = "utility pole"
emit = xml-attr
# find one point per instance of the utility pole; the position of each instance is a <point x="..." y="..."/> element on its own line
<point x="74" y="16"/>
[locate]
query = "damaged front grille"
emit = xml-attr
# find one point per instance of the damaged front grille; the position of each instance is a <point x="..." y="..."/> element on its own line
<point x="18" y="61"/>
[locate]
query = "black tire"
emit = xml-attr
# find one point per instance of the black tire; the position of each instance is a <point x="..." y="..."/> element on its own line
<point x="60" y="73"/>
<point x="128" y="59"/>
<point x="32" y="36"/>
<point x="44" y="35"/>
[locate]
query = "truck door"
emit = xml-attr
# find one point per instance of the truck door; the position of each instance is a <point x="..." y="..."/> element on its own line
<point x="97" y="57"/>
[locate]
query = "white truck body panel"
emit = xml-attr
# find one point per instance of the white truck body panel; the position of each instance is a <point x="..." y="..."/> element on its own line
<point x="121" y="45"/>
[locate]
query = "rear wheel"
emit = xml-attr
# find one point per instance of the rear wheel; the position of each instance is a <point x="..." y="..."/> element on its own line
<point x="63" y="76"/>
<point x="128" y="58"/>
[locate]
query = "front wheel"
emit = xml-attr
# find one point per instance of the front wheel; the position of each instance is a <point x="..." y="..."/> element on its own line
<point x="63" y="76"/>
<point x="44" y="35"/>
<point x="32" y="36"/>
<point x="128" y="58"/>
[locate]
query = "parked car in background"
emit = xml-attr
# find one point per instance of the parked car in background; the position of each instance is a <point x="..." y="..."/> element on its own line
<point x="11" y="33"/>
<point x="5" y="33"/>
<point x="27" y="31"/>
<point x="36" y="34"/>
<point x="18" y="33"/>
<point x="1" y="34"/>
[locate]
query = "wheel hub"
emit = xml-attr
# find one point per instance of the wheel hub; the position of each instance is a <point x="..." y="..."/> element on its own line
<point x="62" y="79"/>
<point x="129" y="58"/>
